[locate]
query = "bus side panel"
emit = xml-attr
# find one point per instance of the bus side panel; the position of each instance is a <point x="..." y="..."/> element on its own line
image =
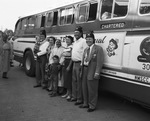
<point x="132" y="92"/>
<point x="20" y="45"/>
<point x="112" y="44"/>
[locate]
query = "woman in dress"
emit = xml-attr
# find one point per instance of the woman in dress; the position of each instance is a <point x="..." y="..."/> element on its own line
<point x="6" y="54"/>
<point x="67" y="72"/>
<point x="1" y="49"/>
<point x="51" y="46"/>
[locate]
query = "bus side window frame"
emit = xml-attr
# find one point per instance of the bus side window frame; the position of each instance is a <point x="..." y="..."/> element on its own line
<point x="32" y="24"/>
<point x="66" y="14"/>
<point x="88" y="17"/>
<point x="139" y="6"/>
<point x="72" y="15"/>
<point x="18" y="25"/>
<point x="24" y="27"/>
<point x="43" y="20"/>
<point x="78" y="13"/>
<point x="55" y="23"/>
<point x="38" y="21"/>
<point x="61" y="23"/>
<point x="111" y="15"/>
<point x="47" y="18"/>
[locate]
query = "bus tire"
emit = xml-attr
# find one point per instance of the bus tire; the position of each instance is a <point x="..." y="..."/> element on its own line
<point x="29" y="64"/>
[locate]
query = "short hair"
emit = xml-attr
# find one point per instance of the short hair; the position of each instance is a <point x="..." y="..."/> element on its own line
<point x="43" y="32"/>
<point x="54" y="39"/>
<point x="71" y="38"/>
<point x="90" y="34"/>
<point x="56" y="57"/>
<point x="5" y="37"/>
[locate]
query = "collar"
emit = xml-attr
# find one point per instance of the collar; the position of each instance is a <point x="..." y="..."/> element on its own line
<point x="91" y="46"/>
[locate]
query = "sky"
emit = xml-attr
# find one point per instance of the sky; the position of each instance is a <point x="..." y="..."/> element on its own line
<point x="11" y="10"/>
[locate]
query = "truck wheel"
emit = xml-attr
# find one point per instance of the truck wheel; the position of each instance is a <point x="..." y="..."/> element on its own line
<point x="29" y="64"/>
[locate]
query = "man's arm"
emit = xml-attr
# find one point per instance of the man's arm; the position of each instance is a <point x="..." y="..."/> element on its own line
<point x="99" y="62"/>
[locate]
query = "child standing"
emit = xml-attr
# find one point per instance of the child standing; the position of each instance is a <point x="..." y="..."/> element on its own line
<point x="53" y="72"/>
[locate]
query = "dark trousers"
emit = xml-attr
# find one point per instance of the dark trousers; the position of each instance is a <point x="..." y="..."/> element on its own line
<point x="54" y="82"/>
<point x="90" y="90"/>
<point x="76" y="82"/>
<point x="4" y="74"/>
<point x="40" y="69"/>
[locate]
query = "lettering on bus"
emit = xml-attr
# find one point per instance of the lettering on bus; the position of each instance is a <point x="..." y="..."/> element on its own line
<point x="146" y="66"/>
<point x="113" y="26"/>
<point x="100" y="40"/>
<point x="142" y="79"/>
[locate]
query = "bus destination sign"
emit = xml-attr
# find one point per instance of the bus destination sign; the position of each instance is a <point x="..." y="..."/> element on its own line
<point x="113" y="26"/>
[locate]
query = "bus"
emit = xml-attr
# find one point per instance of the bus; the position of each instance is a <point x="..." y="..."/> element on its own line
<point x="121" y="28"/>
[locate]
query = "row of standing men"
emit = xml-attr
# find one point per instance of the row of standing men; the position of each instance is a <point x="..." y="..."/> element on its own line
<point x="76" y="67"/>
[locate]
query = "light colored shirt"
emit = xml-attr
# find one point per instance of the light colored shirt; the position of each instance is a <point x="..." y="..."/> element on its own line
<point x="43" y="48"/>
<point x="67" y="52"/>
<point x="78" y="49"/>
<point x="57" y="51"/>
<point x="87" y="62"/>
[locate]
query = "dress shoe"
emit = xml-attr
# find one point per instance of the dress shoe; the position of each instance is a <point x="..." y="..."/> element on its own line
<point x="48" y="90"/>
<point x="73" y="100"/>
<point x="90" y="110"/>
<point x="5" y="77"/>
<point x="45" y="87"/>
<point x="54" y="95"/>
<point x="83" y="106"/>
<point x="37" y="86"/>
<point x="78" y="103"/>
<point x="64" y="96"/>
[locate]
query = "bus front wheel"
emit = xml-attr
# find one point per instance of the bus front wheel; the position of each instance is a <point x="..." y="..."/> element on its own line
<point x="29" y="64"/>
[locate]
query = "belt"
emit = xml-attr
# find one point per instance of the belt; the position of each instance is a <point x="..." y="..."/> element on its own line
<point x="77" y="61"/>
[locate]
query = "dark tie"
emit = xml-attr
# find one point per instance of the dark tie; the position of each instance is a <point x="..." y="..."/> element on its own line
<point x="88" y="53"/>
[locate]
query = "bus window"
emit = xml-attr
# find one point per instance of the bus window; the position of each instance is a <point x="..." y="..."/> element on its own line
<point x="106" y="9"/>
<point x="18" y="26"/>
<point x="62" y="16"/>
<point x="49" y="19"/>
<point x="55" y="18"/>
<point x="38" y="21"/>
<point x="31" y="22"/>
<point x="70" y="15"/>
<point x="92" y="11"/>
<point x="24" y="24"/>
<point x="145" y="7"/>
<point x="120" y="8"/>
<point x="43" y="21"/>
<point x="83" y="13"/>
<point x="114" y="8"/>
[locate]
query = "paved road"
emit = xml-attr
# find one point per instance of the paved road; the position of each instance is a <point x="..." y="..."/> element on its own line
<point x="19" y="101"/>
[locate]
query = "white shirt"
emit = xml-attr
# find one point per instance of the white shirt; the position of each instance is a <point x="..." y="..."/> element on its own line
<point x="43" y="48"/>
<point x="78" y="49"/>
<point x="57" y="51"/>
<point x="91" y="47"/>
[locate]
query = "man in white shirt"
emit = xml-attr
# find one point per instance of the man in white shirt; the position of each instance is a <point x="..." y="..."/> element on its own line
<point x="77" y="53"/>
<point x="41" y="60"/>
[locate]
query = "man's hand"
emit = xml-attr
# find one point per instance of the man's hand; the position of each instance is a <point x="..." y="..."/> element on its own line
<point x="96" y="76"/>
